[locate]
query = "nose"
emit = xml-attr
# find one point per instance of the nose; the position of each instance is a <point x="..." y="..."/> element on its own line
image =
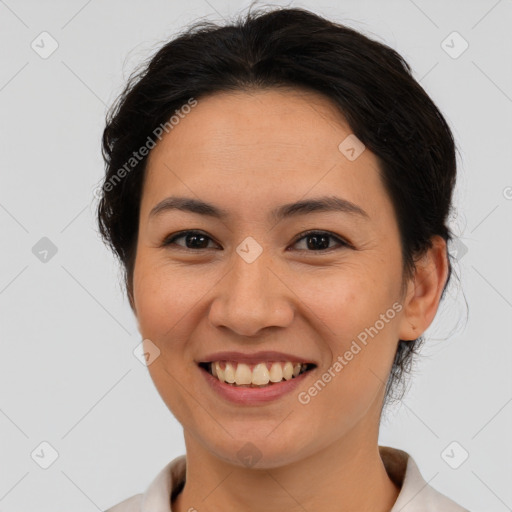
<point x="251" y="297"/>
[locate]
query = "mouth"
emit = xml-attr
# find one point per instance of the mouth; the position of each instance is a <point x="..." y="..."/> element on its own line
<point x="255" y="375"/>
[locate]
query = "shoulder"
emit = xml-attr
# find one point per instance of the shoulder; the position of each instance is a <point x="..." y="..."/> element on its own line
<point x="425" y="497"/>
<point x="416" y="495"/>
<point x="156" y="496"/>
<point x="438" y="501"/>
<point x="132" y="504"/>
<point x="430" y="499"/>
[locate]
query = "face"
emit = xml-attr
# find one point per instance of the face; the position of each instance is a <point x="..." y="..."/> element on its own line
<point x="252" y="282"/>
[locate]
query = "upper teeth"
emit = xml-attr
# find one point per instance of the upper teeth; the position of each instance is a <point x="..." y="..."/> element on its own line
<point x="261" y="374"/>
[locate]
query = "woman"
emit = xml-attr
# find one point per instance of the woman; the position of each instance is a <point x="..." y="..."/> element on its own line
<point x="278" y="192"/>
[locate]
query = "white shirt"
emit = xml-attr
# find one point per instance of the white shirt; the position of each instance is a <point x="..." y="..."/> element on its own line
<point x="415" y="494"/>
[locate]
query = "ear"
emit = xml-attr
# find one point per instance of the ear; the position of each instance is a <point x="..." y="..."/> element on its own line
<point x="424" y="291"/>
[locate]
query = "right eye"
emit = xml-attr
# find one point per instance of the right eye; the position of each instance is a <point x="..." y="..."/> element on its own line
<point x="194" y="240"/>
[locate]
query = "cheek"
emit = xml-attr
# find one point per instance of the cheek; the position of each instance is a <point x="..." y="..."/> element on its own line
<point x="357" y="321"/>
<point x="162" y="305"/>
<point x="347" y="301"/>
<point x="161" y="297"/>
<point x="169" y="308"/>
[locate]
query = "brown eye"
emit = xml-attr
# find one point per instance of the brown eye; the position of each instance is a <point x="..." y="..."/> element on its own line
<point x="315" y="241"/>
<point x="193" y="240"/>
<point x="318" y="241"/>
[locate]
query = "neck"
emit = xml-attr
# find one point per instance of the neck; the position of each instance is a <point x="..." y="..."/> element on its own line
<point x="349" y="472"/>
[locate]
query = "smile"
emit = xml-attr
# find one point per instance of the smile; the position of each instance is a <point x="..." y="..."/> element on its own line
<point x="262" y="374"/>
<point x="252" y="394"/>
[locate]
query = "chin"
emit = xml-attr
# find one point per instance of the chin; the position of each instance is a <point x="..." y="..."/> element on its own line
<point x="261" y="452"/>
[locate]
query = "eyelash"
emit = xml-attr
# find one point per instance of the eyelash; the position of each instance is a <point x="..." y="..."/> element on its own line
<point x="342" y="243"/>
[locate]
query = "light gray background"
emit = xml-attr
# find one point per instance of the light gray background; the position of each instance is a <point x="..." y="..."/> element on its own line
<point x="67" y="372"/>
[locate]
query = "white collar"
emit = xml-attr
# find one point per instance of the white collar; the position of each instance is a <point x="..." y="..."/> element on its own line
<point x="416" y="495"/>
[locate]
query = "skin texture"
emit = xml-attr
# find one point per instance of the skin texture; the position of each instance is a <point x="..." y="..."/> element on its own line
<point x="249" y="152"/>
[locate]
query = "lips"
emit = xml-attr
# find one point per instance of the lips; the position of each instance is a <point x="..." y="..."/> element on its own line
<point x="252" y="378"/>
<point x="250" y="394"/>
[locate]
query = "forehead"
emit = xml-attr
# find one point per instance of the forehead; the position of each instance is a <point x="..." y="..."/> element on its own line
<point x="284" y="121"/>
<point x="250" y="148"/>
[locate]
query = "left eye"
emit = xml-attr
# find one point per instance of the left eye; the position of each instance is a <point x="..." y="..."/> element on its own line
<point x="319" y="240"/>
<point x="315" y="240"/>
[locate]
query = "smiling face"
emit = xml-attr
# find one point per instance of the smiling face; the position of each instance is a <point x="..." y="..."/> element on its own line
<point x="249" y="279"/>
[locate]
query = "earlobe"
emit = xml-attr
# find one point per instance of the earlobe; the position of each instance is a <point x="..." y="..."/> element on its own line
<point x="424" y="291"/>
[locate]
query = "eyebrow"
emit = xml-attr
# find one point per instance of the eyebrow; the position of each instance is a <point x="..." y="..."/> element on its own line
<point x="321" y="204"/>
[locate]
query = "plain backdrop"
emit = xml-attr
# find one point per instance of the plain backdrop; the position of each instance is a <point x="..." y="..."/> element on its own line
<point x="74" y="396"/>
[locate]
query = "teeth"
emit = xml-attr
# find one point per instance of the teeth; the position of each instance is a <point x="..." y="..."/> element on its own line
<point x="260" y="374"/>
<point x="218" y="372"/>
<point x="229" y="373"/>
<point x="288" y="370"/>
<point x="242" y="374"/>
<point x="276" y="372"/>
